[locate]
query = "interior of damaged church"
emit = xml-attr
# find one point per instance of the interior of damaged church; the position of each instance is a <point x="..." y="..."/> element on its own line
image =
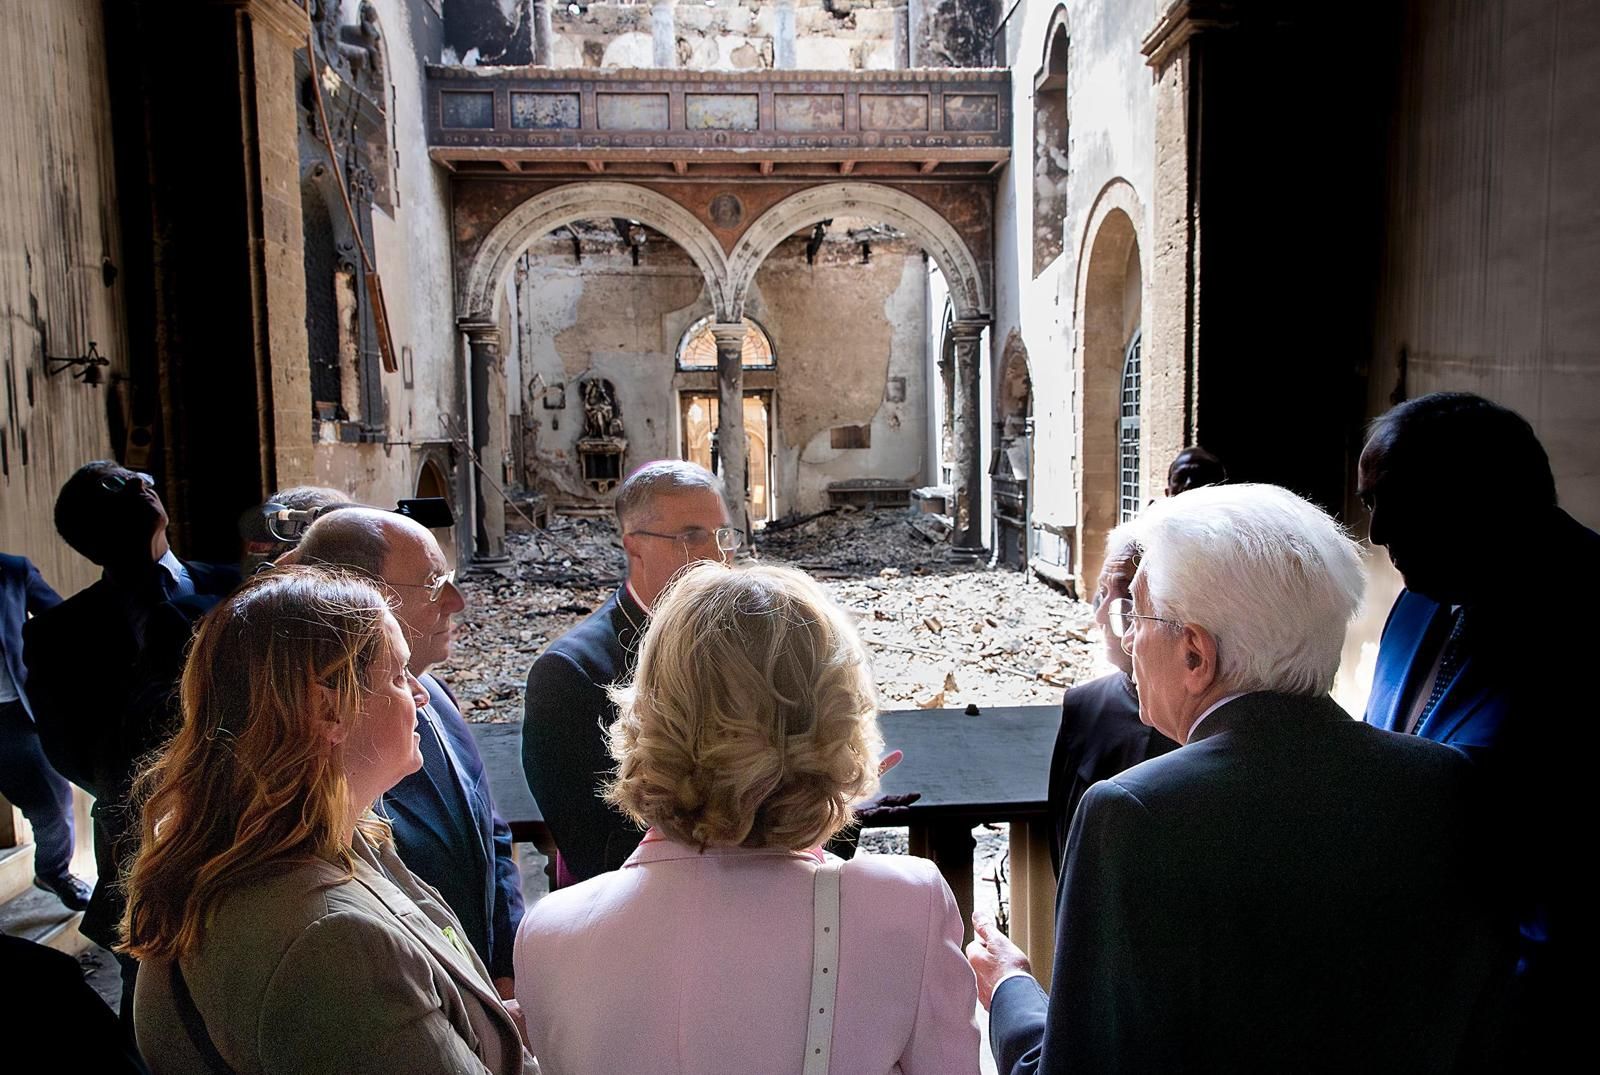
<point x="940" y="298"/>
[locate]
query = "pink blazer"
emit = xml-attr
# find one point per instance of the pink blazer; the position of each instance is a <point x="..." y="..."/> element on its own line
<point x="700" y="963"/>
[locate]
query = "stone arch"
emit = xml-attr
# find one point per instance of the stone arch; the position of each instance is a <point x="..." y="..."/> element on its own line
<point x="492" y="263"/>
<point x="938" y="237"/>
<point x="1109" y="310"/>
<point x="1012" y="468"/>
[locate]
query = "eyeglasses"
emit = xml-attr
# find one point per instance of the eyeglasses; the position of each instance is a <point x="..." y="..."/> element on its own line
<point x="1120" y="617"/>
<point x="728" y="539"/>
<point x="116" y="483"/>
<point x="435" y="586"/>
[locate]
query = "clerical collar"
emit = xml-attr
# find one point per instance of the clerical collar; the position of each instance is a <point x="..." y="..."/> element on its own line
<point x="636" y="598"/>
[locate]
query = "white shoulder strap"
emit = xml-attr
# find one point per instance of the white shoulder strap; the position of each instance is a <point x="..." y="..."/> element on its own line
<point x="824" y="966"/>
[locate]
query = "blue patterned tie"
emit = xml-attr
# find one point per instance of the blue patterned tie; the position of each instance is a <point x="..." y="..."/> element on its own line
<point x="1449" y="664"/>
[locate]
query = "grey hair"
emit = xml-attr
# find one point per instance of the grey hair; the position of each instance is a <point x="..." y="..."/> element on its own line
<point x="355" y="538"/>
<point x="1271" y="576"/>
<point x="309" y="497"/>
<point x="638" y="492"/>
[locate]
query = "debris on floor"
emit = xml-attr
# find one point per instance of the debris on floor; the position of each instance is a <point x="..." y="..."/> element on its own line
<point x="941" y="634"/>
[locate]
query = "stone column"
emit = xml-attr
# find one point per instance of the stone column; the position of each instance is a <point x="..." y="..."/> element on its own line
<point x="967" y="510"/>
<point x="783" y="36"/>
<point x="663" y="33"/>
<point x="488" y="409"/>
<point x="543" y="33"/>
<point x="730" y="416"/>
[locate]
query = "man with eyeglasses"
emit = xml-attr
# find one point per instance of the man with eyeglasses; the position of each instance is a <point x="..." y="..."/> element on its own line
<point x="446" y="827"/>
<point x="1291" y="890"/>
<point x="103" y="665"/>
<point x="671" y="514"/>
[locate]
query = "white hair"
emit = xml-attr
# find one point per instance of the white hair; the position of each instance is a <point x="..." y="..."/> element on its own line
<point x="1271" y="576"/>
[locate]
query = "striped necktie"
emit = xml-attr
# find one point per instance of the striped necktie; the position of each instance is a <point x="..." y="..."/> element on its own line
<point x="1449" y="664"/>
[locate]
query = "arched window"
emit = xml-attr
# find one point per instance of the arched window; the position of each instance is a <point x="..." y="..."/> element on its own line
<point x="698" y="349"/>
<point x="1128" y="433"/>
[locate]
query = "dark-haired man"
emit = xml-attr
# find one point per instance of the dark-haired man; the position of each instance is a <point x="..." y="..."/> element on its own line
<point x="1473" y="658"/>
<point x="102" y="665"/>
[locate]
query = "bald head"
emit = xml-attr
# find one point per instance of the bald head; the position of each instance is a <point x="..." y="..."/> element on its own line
<point x="405" y="556"/>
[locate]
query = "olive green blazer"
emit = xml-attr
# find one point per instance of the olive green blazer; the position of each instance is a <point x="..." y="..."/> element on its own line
<point x="307" y="971"/>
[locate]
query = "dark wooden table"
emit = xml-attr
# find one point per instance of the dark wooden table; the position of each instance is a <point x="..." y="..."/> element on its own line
<point x="990" y="767"/>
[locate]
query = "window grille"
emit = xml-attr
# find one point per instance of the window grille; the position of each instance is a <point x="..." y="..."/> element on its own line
<point x="1128" y="433"/>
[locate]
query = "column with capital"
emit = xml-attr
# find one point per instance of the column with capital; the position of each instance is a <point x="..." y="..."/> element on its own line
<point x="967" y="511"/>
<point x="488" y="396"/>
<point x="730" y="416"/>
<point x="663" y="33"/>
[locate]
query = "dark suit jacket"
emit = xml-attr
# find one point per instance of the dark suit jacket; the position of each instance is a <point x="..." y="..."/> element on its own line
<point x="1288" y="892"/>
<point x="563" y="735"/>
<point x="448" y="833"/>
<point x="1507" y="709"/>
<point x="1100" y="736"/>
<point x="22" y="590"/>
<point x="102" y="668"/>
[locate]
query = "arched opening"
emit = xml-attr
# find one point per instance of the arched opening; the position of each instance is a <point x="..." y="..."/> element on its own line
<point x="431" y="481"/>
<point x="1110" y="312"/>
<point x="1011" y="470"/>
<point x="1050" y="146"/>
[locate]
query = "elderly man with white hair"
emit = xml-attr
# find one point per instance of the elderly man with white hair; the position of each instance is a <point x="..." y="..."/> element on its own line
<point x="1285" y="891"/>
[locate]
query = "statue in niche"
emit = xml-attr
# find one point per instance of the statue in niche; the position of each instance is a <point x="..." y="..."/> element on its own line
<point x="603" y="445"/>
<point x="600" y="417"/>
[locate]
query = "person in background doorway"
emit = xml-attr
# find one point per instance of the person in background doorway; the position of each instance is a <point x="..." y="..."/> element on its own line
<point x="1193" y="468"/>
<point x="27" y="779"/>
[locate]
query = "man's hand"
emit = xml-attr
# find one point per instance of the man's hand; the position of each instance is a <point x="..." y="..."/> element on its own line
<point x="993" y="957"/>
<point x="506" y="987"/>
<point x="514" y="1010"/>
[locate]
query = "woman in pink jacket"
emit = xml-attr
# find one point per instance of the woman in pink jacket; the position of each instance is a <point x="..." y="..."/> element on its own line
<point x="747" y="735"/>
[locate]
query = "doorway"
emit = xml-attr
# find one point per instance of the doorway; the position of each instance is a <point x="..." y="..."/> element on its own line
<point x="697" y="412"/>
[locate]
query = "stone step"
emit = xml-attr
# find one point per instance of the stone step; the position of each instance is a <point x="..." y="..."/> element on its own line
<point x="38" y="916"/>
<point x="16" y="871"/>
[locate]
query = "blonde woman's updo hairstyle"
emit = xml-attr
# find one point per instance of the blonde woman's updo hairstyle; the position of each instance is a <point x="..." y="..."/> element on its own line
<point x="252" y="780"/>
<point x="751" y="720"/>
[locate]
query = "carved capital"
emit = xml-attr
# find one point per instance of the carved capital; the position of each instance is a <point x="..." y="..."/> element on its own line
<point x="480" y="333"/>
<point x="967" y="332"/>
<point x="729" y="337"/>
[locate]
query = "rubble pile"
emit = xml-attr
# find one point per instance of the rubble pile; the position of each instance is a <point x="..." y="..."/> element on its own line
<point x="848" y="540"/>
<point x="941" y="634"/>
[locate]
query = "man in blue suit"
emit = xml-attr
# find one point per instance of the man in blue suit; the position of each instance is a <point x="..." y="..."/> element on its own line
<point x="1488" y="664"/>
<point x="27" y="779"/>
<point x="446" y="827"/>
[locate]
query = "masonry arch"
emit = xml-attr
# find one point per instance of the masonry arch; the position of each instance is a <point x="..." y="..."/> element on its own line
<point x="1109" y="310"/>
<point x="1011" y="470"/>
<point x="492" y="263"/>
<point x="1050" y="126"/>
<point x="869" y="201"/>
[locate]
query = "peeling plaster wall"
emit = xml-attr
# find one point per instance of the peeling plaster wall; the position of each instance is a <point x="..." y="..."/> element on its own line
<point x="1112" y="136"/>
<point x="57" y="222"/>
<point x="732" y="35"/>
<point x="412" y="249"/>
<point x="953" y="33"/>
<point x="839" y="329"/>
